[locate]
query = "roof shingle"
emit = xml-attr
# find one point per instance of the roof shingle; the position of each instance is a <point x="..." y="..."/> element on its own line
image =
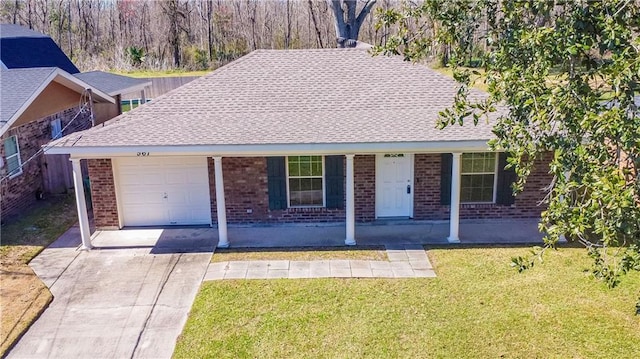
<point x="328" y="96"/>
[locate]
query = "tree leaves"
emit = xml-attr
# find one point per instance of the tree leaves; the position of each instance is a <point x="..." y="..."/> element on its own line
<point x="567" y="74"/>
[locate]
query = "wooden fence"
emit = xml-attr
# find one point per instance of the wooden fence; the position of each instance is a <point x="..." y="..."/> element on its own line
<point x="161" y="85"/>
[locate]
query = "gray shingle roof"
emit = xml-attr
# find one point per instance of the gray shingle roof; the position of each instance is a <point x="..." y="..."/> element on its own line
<point x="23" y="48"/>
<point x="17" y="86"/>
<point x="328" y="96"/>
<point x="11" y="31"/>
<point x="112" y="84"/>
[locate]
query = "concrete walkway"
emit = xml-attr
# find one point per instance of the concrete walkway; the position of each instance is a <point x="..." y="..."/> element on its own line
<point x="405" y="261"/>
<point x="128" y="298"/>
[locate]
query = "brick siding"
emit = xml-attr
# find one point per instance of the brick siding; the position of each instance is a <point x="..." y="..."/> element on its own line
<point x="19" y="192"/>
<point x="103" y="193"/>
<point x="427" y="194"/>
<point x="247" y="199"/>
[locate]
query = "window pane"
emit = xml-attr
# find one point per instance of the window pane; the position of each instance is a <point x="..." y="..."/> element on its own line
<point x="294" y="169"/>
<point x="305" y="169"/>
<point x="13" y="165"/>
<point x="477" y="188"/>
<point x="294" y="184"/>
<point x="478" y="162"/>
<point x="10" y="146"/>
<point x="467" y="164"/>
<point x="489" y="162"/>
<point x="316" y="169"/>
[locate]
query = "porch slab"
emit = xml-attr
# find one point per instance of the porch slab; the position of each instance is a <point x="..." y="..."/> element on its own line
<point x="400" y="233"/>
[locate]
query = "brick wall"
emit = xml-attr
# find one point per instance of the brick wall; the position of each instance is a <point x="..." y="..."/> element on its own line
<point x="427" y="194"/>
<point x="247" y="199"/>
<point x="103" y="193"/>
<point x="245" y="182"/>
<point x="19" y="192"/>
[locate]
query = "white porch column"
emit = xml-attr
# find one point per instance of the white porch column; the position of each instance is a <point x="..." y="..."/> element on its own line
<point x="221" y="208"/>
<point x="350" y="239"/>
<point x="454" y="219"/>
<point x="81" y="204"/>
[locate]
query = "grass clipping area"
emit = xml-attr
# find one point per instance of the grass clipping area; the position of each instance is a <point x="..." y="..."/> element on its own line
<point x="478" y="307"/>
<point x="22" y="295"/>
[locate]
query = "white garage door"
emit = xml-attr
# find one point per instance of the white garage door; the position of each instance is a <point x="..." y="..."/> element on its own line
<point x="163" y="191"/>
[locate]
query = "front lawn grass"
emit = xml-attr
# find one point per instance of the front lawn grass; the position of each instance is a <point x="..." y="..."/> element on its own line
<point x="22" y="295"/>
<point x="374" y="253"/>
<point x="478" y="307"/>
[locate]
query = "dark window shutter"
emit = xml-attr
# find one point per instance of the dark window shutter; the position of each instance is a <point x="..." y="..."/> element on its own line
<point x="445" y="178"/>
<point x="277" y="182"/>
<point x="506" y="178"/>
<point x="334" y="177"/>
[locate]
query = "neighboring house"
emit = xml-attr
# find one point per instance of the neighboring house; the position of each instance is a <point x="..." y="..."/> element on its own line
<point x="44" y="97"/>
<point x="329" y="135"/>
<point x="37" y="105"/>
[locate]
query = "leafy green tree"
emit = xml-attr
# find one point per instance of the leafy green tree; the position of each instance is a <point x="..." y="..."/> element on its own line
<point x="563" y="77"/>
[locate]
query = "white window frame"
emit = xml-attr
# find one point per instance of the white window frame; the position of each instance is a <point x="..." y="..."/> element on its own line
<point x="56" y="124"/>
<point x="495" y="179"/>
<point x="17" y="154"/>
<point x="324" y="184"/>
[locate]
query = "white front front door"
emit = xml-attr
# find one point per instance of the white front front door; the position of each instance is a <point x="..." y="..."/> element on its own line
<point x="394" y="185"/>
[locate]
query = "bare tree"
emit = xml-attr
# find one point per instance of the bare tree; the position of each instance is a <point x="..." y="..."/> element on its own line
<point x="347" y="23"/>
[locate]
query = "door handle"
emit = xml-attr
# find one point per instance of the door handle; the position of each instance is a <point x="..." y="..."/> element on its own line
<point x="408" y="189"/>
<point x="165" y="196"/>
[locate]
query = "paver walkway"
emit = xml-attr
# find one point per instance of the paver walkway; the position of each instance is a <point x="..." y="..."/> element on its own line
<point x="405" y="261"/>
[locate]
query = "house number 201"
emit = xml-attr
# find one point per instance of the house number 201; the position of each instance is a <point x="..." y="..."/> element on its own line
<point x="143" y="154"/>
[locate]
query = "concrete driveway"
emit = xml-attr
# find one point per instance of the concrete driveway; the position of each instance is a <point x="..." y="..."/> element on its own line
<point x="128" y="298"/>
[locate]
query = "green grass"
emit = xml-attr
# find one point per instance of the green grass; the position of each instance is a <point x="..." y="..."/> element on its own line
<point x="375" y="253"/>
<point x="35" y="229"/>
<point x="478" y="307"/>
<point x="169" y="73"/>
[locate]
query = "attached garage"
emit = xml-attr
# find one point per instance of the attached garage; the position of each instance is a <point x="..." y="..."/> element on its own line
<point x="163" y="191"/>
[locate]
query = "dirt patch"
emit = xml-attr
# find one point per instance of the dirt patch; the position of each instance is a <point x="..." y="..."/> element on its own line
<point x="22" y="298"/>
<point x="375" y="253"/>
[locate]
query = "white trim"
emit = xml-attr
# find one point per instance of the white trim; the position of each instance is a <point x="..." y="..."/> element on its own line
<point x="264" y="150"/>
<point x="324" y="187"/>
<point x="64" y="78"/>
<point x="81" y="204"/>
<point x="221" y="209"/>
<point x="350" y="215"/>
<point x="3" y="66"/>
<point x="115" y="166"/>
<point x="17" y="154"/>
<point x="454" y="208"/>
<point x="378" y="191"/>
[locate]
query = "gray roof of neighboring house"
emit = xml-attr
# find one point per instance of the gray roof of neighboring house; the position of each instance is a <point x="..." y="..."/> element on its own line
<point x="21" y="48"/>
<point x="323" y="96"/>
<point x="17" y="86"/>
<point x="9" y="31"/>
<point x="112" y="84"/>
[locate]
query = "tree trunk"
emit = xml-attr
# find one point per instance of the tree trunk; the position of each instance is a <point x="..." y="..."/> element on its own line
<point x="348" y="28"/>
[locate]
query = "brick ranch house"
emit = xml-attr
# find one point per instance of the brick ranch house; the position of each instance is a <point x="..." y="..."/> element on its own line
<point x="328" y="135"/>
<point x="43" y="97"/>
